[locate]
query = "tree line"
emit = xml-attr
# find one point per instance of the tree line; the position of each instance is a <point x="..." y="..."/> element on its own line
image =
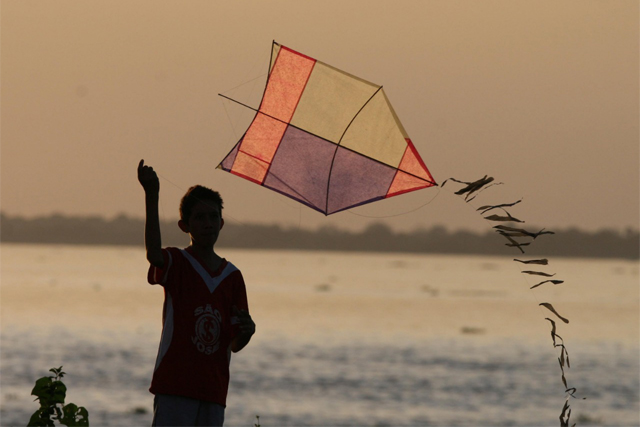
<point x="378" y="237"/>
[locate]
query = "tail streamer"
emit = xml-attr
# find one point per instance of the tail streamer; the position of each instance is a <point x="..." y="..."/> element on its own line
<point x="520" y="238"/>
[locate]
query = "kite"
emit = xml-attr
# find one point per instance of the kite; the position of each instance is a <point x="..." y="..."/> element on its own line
<point x="332" y="141"/>
<point x="325" y="138"/>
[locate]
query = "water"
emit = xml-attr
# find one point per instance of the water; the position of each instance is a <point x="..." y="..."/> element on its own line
<point x="342" y="338"/>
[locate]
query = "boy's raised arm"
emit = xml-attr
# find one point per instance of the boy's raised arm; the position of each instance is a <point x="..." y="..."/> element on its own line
<point x="152" y="240"/>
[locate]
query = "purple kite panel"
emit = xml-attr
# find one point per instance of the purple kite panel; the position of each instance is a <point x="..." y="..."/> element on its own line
<point x="356" y="180"/>
<point x="300" y="168"/>
<point x="227" y="163"/>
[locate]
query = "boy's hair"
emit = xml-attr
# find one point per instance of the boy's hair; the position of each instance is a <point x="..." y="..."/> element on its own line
<point x="196" y="194"/>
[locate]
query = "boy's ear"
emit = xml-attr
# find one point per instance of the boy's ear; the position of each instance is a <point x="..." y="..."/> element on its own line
<point x="221" y="223"/>
<point x="183" y="226"/>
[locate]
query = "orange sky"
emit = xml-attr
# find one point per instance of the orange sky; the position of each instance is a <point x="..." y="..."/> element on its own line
<point x="542" y="95"/>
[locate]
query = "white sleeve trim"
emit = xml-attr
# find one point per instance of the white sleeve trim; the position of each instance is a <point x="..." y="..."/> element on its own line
<point x="163" y="280"/>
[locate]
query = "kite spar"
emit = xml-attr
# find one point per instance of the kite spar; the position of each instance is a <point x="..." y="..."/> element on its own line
<point x="326" y="138"/>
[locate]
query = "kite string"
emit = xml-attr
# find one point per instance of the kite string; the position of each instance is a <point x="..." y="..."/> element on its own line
<point x="226" y="110"/>
<point x="244" y="83"/>
<point x="183" y="191"/>
<point x="428" y="202"/>
<point x="226" y="215"/>
<point x="259" y="59"/>
<point x="233" y="127"/>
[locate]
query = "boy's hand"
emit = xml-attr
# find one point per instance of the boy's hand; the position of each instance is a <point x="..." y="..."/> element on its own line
<point x="247" y="327"/>
<point x="148" y="178"/>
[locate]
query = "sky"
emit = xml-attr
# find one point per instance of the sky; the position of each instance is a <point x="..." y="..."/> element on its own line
<point x="543" y="96"/>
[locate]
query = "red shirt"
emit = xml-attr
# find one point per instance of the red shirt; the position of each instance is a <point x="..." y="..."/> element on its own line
<point x="198" y="326"/>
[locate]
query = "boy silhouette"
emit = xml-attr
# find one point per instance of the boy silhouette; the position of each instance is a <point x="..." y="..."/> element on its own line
<point x="205" y="313"/>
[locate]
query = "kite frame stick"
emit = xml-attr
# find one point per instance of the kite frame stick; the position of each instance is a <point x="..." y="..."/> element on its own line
<point x="335" y="152"/>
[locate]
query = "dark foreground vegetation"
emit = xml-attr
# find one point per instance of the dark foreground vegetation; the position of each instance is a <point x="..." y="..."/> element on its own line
<point x="123" y="230"/>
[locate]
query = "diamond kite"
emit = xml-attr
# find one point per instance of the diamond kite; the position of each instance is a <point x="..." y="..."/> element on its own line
<point x="326" y="138"/>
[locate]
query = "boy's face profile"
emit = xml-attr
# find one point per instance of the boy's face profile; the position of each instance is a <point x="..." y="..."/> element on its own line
<point x="204" y="223"/>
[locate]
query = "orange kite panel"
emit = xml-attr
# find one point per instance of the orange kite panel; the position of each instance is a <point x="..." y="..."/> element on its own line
<point x="413" y="164"/>
<point x="250" y="168"/>
<point x="286" y="84"/>
<point x="262" y="138"/>
<point x="403" y="183"/>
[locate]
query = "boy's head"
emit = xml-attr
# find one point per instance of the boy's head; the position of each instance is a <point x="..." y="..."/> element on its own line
<point x="201" y="216"/>
<point x="196" y="194"/>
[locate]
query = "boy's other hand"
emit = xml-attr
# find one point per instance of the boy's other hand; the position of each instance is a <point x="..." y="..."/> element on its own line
<point x="148" y="178"/>
<point x="247" y="327"/>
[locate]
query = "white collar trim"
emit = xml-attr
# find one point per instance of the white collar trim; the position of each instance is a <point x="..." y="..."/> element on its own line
<point x="211" y="282"/>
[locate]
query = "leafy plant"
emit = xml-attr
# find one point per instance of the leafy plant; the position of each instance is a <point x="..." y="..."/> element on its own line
<point x="51" y="392"/>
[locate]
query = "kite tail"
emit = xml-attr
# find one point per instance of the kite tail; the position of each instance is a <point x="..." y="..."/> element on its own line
<point x="521" y="238"/>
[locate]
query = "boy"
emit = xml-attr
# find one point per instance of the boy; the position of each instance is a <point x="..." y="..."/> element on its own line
<point x="205" y="313"/>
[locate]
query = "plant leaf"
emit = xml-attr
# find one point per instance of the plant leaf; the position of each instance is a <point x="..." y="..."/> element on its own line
<point x="40" y="419"/>
<point x="82" y="417"/>
<point x="69" y="418"/>
<point x="58" y="392"/>
<point x="42" y="387"/>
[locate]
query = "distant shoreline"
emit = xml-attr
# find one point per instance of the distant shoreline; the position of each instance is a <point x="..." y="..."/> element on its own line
<point x="127" y="231"/>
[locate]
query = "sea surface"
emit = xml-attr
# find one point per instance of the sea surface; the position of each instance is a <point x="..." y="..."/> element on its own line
<point x="353" y="339"/>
